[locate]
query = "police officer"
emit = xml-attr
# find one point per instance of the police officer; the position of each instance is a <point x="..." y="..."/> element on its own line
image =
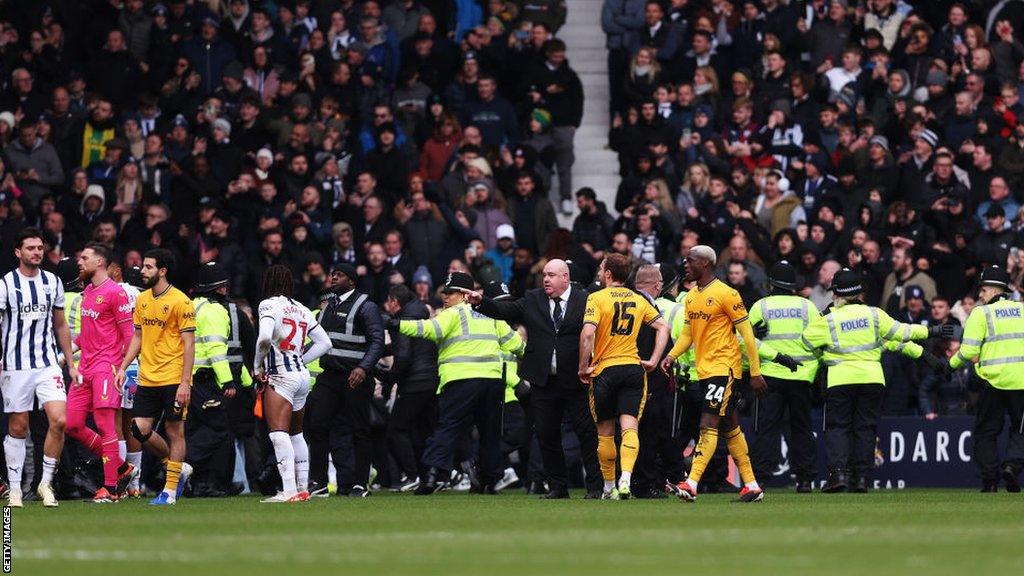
<point x="67" y="271"/>
<point x="238" y="408"/>
<point x="992" y="339"/>
<point x="661" y="450"/>
<point x="780" y="319"/>
<point x="471" y="388"/>
<point x="209" y="439"/>
<point x="414" y="371"/>
<point x="851" y="337"/>
<point x="354" y="324"/>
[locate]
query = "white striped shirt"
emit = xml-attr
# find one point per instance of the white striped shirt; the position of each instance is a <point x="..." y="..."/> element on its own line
<point x="292" y="322"/>
<point x="26" y="311"/>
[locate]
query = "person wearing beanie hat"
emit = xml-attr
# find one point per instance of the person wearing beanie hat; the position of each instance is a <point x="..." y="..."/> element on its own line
<point x="991" y="340"/>
<point x="223" y="125"/>
<point x="717" y="315"/>
<point x="471" y="385"/>
<point x="356" y="329"/>
<point x="850" y="338"/>
<point x="542" y="117"/>
<point x="928" y="137"/>
<point x="779" y="319"/>
<point x="503" y="253"/>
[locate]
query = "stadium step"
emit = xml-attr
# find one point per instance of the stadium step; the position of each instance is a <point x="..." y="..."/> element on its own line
<point x="596" y="166"/>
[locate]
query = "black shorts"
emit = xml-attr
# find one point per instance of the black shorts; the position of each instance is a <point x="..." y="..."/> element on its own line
<point x="618" y="390"/>
<point x="158" y="402"/>
<point x="716" y="395"/>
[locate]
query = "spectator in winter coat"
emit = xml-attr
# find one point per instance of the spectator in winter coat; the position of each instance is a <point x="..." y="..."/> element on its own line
<point x="492" y="114"/>
<point x="489" y="206"/>
<point x="593" y="227"/>
<point x="35" y="166"/>
<point x="439" y="149"/>
<point x="532" y="215"/>
<point x="208" y="54"/>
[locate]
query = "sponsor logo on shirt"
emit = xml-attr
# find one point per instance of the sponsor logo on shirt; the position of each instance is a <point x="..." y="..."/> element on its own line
<point x="33" y="311"/>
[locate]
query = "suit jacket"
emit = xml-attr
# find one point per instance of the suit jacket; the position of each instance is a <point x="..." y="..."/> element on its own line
<point x="532" y="311"/>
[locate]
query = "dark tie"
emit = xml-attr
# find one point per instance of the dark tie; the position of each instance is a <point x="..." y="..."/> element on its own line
<point x="556" y="316"/>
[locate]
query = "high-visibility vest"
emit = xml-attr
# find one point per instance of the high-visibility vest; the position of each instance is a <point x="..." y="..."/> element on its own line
<point x="687" y="360"/>
<point x="469" y="344"/>
<point x="853" y="337"/>
<point x="73" y="316"/>
<point x="511" y="375"/>
<point x="786" y="317"/>
<point x="314" y="367"/>
<point x="213" y="328"/>
<point x="994" y="337"/>
<point x="239" y="371"/>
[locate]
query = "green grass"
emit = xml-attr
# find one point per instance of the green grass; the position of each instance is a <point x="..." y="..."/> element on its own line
<point x="884" y="533"/>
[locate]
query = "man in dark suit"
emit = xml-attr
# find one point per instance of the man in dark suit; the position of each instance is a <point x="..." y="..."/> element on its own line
<point x="553" y="317"/>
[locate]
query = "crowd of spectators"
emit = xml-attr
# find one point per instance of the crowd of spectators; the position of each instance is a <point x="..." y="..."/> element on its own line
<point x="416" y="137"/>
<point x="883" y="136"/>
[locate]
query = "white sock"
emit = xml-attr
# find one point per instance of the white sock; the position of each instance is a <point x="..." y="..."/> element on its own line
<point x="122" y="449"/>
<point x="14" y="451"/>
<point x="624" y="478"/>
<point x="135" y="459"/>
<point x="752" y="486"/>
<point x="691" y="483"/>
<point x="49" y="467"/>
<point x="301" y="461"/>
<point x="609" y="485"/>
<point x="285" y="454"/>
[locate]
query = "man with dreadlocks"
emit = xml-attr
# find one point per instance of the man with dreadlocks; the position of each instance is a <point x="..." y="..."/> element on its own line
<point x="280" y="368"/>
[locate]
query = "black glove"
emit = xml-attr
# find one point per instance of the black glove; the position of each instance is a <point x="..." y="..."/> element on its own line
<point x="937" y="364"/>
<point x="522" y="391"/>
<point x="390" y="322"/>
<point x="787" y="361"/>
<point x="760" y="330"/>
<point x="948" y="331"/>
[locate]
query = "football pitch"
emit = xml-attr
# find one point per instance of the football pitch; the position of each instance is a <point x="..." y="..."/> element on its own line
<point x="883" y="533"/>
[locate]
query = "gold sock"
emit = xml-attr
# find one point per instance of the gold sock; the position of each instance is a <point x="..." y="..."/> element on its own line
<point x="629" y="449"/>
<point x="606" y="455"/>
<point x="173" y="473"/>
<point x="706" y="446"/>
<point x="737" y="444"/>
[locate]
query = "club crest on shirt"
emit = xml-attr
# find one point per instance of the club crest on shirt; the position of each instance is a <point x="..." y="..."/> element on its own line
<point x="166" y="308"/>
<point x="710" y="302"/>
<point x="99" y="299"/>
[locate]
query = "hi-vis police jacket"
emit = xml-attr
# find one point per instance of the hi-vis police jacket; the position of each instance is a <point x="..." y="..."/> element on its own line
<point x="469" y="344"/>
<point x="994" y="336"/>
<point x="787" y="316"/>
<point x="852" y="338"/>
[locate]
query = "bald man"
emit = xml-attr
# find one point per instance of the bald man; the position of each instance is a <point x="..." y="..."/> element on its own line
<point x="553" y="318"/>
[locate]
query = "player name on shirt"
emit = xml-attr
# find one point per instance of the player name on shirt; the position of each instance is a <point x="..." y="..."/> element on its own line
<point x="292" y="322"/>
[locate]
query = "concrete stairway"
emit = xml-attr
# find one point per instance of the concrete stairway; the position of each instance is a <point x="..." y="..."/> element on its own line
<point x="596" y="166"/>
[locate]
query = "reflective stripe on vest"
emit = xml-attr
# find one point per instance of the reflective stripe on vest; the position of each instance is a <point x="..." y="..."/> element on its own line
<point x="338" y="338"/>
<point x="465" y="336"/>
<point x="234" y="341"/>
<point x="1007" y="360"/>
<point x="75" y="316"/>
